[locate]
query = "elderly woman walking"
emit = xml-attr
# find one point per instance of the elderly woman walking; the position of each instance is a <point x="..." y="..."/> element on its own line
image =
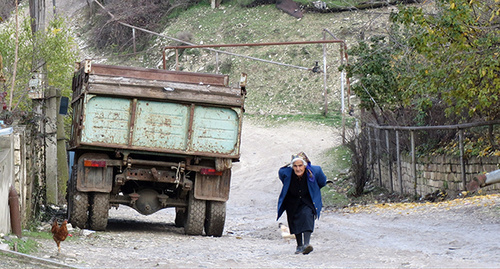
<point x="300" y="197"/>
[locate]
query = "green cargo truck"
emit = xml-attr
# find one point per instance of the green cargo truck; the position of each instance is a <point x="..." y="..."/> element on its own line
<point x="152" y="139"/>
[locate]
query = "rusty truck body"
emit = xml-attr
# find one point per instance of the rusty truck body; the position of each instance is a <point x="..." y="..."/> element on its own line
<point x="152" y="139"/>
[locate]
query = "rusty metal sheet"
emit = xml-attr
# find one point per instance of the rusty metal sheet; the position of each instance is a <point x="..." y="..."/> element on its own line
<point x="215" y="129"/>
<point x="167" y="176"/>
<point x="106" y="120"/>
<point x="214" y="188"/>
<point x="97" y="179"/>
<point x="161" y="125"/>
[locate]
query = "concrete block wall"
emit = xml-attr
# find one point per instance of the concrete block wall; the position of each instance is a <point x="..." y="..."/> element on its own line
<point x="435" y="173"/>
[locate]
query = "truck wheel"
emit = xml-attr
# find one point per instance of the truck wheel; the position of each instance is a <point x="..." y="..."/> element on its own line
<point x="78" y="204"/>
<point x="195" y="217"/>
<point x="216" y="216"/>
<point x="180" y="217"/>
<point x="99" y="210"/>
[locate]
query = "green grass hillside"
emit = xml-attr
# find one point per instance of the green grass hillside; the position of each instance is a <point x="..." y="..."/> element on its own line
<point x="273" y="89"/>
<point x="282" y="89"/>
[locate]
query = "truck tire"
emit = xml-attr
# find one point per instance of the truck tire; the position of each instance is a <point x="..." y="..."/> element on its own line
<point x="78" y="204"/>
<point x="215" y="218"/>
<point x="99" y="210"/>
<point x="195" y="217"/>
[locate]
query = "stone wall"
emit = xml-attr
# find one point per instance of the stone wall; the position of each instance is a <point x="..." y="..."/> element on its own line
<point x="435" y="173"/>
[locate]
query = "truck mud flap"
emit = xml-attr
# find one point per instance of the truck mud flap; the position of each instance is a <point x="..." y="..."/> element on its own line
<point x="215" y="188"/>
<point x="94" y="179"/>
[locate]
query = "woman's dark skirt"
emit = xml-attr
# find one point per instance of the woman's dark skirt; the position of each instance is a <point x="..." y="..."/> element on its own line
<point x="302" y="220"/>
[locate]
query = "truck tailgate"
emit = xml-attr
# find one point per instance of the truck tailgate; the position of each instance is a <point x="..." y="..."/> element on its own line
<point x="160" y="126"/>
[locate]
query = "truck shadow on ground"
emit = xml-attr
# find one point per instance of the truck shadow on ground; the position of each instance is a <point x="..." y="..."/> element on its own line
<point x="127" y="225"/>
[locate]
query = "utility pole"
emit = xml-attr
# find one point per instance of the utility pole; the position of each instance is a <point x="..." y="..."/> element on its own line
<point x="36" y="90"/>
<point x="45" y="144"/>
<point x="45" y="106"/>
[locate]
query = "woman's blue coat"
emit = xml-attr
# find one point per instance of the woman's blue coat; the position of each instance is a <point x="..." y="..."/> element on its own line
<point x="285" y="175"/>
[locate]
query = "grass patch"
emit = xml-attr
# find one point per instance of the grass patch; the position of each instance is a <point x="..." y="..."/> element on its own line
<point x="333" y="119"/>
<point x="29" y="243"/>
<point x="339" y="191"/>
<point x="38" y="235"/>
<point x="24" y="244"/>
<point x="341" y="162"/>
<point x="336" y="170"/>
<point x="334" y="199"/>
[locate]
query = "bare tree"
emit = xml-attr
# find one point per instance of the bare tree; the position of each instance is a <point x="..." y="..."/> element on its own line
<point x="147" y="14"/>
<point x="7" y="8"/>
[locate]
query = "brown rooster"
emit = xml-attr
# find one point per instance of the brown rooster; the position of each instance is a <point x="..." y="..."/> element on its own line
<point x="59" y="233"/>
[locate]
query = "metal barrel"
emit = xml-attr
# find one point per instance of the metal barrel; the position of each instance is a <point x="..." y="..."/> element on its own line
<point x="15" y="214"/>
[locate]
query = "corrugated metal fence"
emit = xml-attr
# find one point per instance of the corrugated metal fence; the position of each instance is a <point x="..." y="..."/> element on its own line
<point x="6" y="176"/>
<point x="13" y="167"/>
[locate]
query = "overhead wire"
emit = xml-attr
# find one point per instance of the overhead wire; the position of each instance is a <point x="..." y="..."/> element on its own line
<point x="192" y="44"/>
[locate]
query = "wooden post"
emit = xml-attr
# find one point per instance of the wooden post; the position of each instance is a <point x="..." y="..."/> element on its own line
<point x="462" y="161"/>
<point x="491" y="137"/>
<point x="133" y="39"/>
<point x="217" y="62"/>
<point x="370" y="151"/>
<point x="325" y="91"/>
<point x="398" y="152"/>
<point x="389" y="159"/>
<point x="342" y="74"/>
<point x="176" y="59"/>
<point x="413" y="161"/>
<point x="377" y="141"/>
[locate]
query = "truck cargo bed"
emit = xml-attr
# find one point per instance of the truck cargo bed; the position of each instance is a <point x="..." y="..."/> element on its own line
<point x="156" y="110"/>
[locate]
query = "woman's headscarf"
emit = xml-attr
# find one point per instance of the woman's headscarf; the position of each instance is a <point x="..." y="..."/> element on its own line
<point x="300" y="156"/>
<point x="303" y="157"/>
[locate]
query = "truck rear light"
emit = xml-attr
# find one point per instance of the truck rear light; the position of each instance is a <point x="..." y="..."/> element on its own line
<point x="210" y="172"/>
<point x="94" y="163"/>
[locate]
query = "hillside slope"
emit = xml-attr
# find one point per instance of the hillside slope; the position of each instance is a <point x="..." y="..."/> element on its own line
<point x="279" y="88"/>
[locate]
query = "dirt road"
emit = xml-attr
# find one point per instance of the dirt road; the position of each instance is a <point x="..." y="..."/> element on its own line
<point x="462" y="236"/>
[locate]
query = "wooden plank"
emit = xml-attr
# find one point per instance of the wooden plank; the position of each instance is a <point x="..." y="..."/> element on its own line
<point x="159" y="74"/>
<point x="165" y="85"/>
<point x="179" y="95"/>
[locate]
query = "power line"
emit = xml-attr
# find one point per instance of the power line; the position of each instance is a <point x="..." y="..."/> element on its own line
<point x="192" y="44"/>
